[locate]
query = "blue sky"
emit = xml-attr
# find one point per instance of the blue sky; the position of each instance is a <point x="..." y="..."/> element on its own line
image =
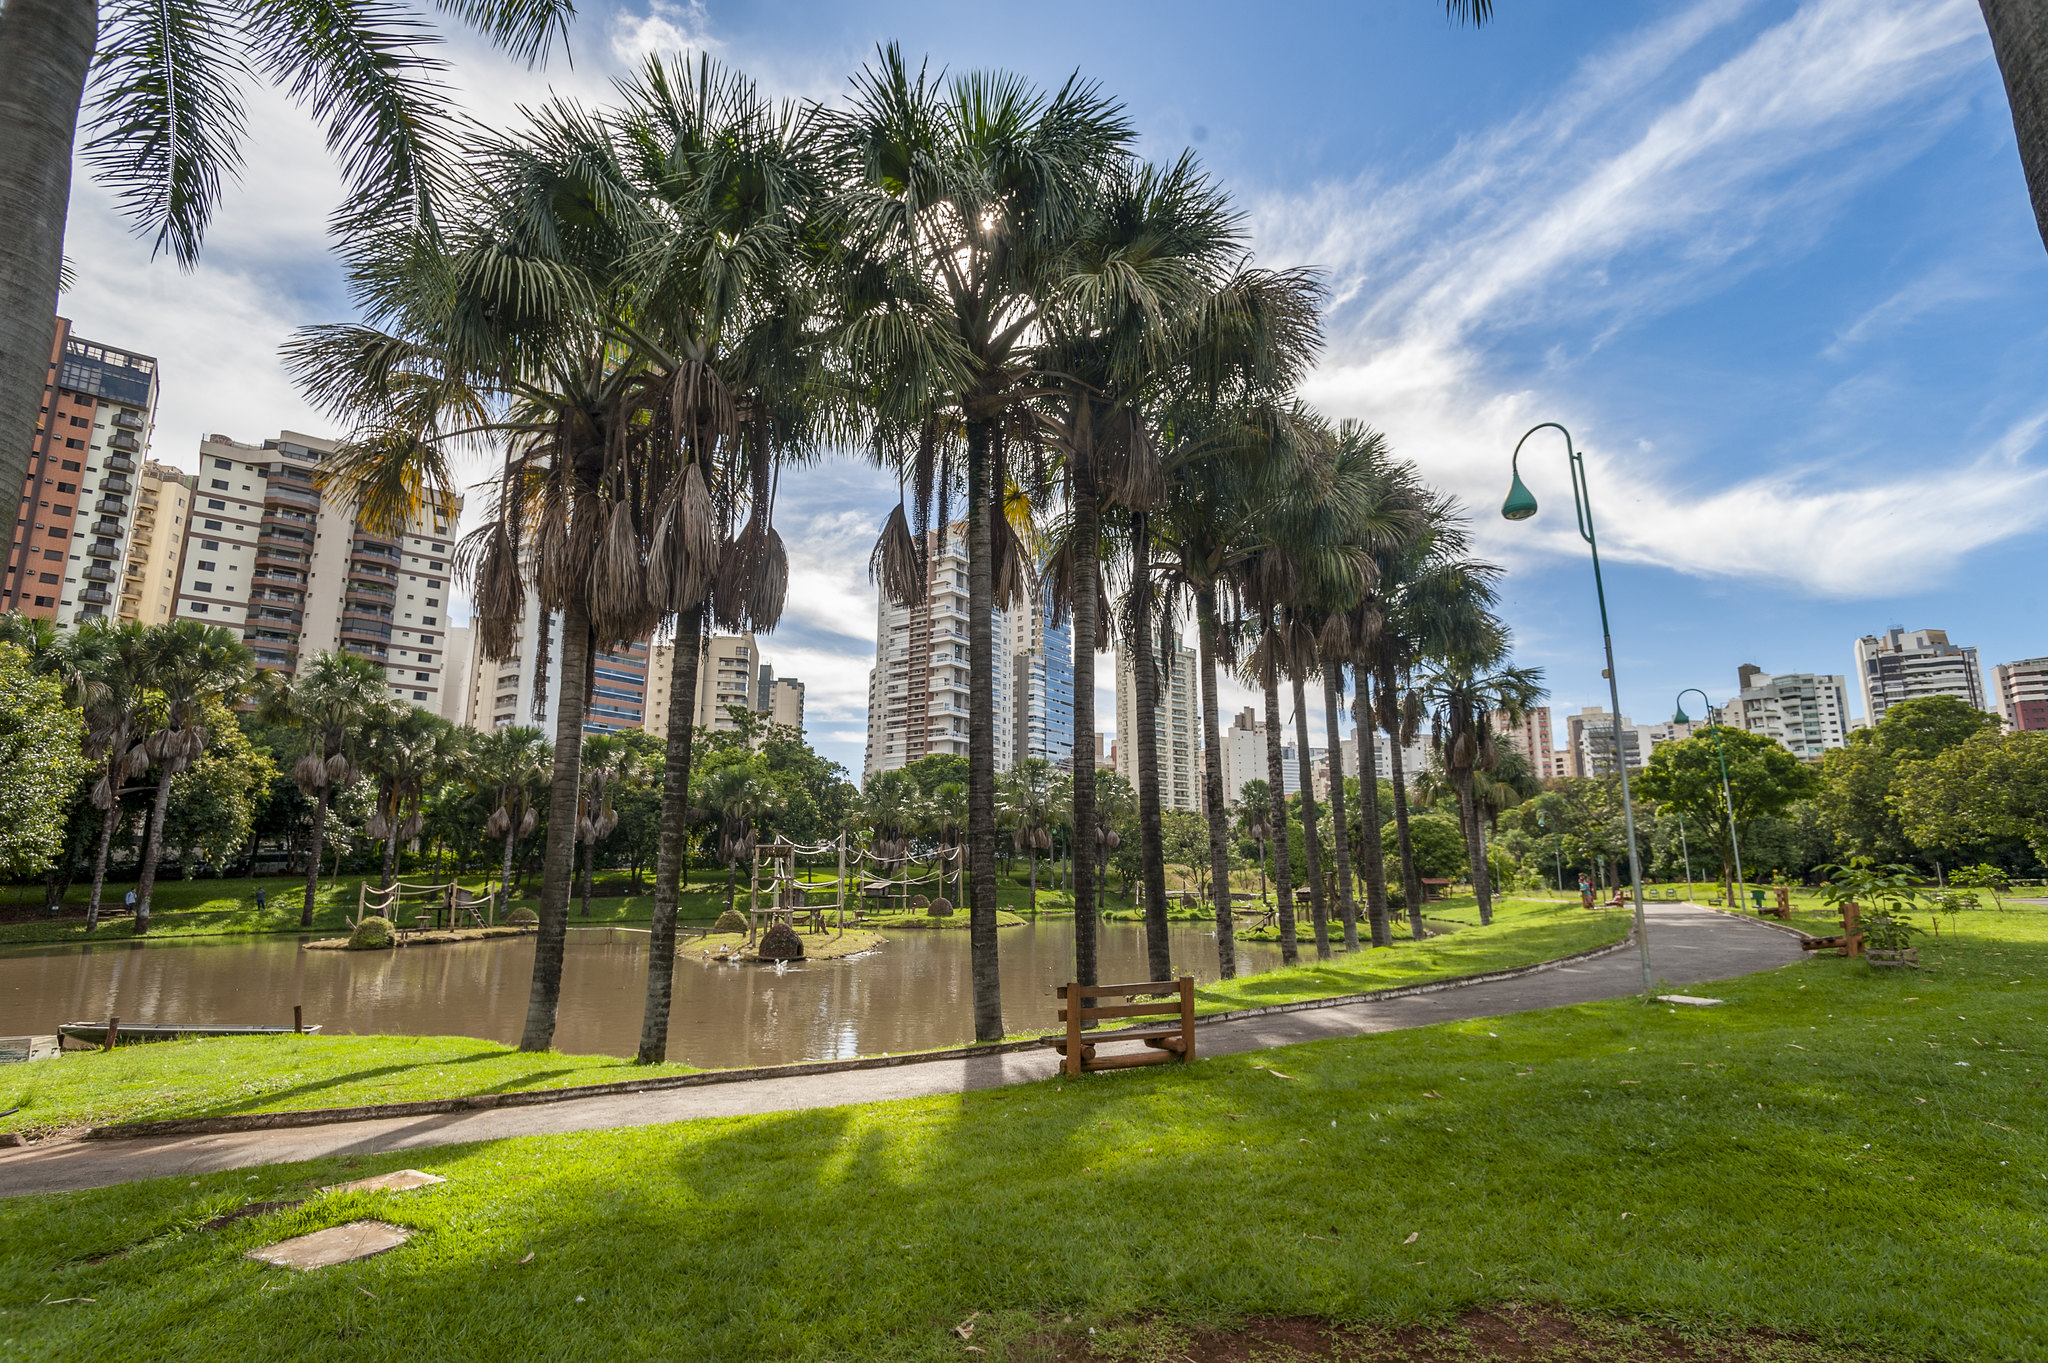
<point x="1771" y="261"/>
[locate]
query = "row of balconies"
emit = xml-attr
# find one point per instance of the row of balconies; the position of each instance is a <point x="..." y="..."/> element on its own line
<point x="124" y="440"/>
<point x="110" y="506"/>
<point x="99" y="572"/>
<point x="98" y="596"/>
<point x="127" y="420"/>
<point x="120" y="463"/>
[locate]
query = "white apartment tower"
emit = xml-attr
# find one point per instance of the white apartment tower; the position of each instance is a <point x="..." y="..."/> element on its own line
<point x="1589" y="738"/>
<point x="1175" y="715"/>
<point x="918" y="688"/>
<point x="1905" y="664"/>
<point x="1807" y="712"/>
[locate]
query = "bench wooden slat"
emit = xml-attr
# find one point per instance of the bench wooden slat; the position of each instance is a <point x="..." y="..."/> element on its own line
<point x="1146" y="987"/>
<point x="1123" y="1062"/>
<point x="1058" y="1040"/>
<point x="1128" y="1010"/>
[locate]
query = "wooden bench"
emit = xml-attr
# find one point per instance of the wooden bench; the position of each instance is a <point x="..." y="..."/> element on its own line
<point x="1175" y="1041"/>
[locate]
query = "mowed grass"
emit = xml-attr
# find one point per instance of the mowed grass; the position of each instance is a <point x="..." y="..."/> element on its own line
<point x="1849" y="1154"/>
<point x="220" y="1077"/>
<point x="228" y="1075"/>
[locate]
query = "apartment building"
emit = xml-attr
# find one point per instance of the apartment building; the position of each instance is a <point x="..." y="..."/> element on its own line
<point x="780" y="700"/>
<point x="1807" y="712"/>
<point x="297" y="573"/>
<point x="70" y="543"/>
<point x="1905" y="664"/>
<point x="1176" y="710"/>
<point x="1043" y="692"/>
<point x="502" y="690"/>
<point x="1532" y="737"/>
<point x="728" y="673"/>
<point x="1589" y="742"/>
<point x="918" y="689"/>
<point x="2022" y="691"/>
<point x="149" y="584"/>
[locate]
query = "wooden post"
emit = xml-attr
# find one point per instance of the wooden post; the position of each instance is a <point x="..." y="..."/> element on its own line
<point x="298" y="1018"/>
<point x="842" y="882"/>
<point x="1852" y="940"/>
<point x="1187" y="1017"/>
<point x="362" y="898"/>
<point x="1072" y="994"/>
<point x="754" y="896"/>
<point x="113" y="1032"/>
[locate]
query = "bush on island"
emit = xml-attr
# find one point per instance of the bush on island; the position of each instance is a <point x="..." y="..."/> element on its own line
<point x="372" y="934"/>
<point x="780" y="943"/>
<point x="522" y="918"/>
<point x="732" y="920"/>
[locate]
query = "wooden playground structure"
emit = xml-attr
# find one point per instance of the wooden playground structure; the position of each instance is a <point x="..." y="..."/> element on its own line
<point x="429" y="905"/>
<point x="776" y="892"/>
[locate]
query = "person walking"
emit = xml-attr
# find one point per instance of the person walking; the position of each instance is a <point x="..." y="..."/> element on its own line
<point x="262" y="898"/>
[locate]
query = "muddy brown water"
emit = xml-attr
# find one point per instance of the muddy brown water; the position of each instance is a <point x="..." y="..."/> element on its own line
<point x="913" y="993"/>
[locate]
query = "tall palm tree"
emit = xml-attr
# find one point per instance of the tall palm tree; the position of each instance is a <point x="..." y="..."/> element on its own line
<point x="106" y="670"/>
<point x="407" y="751"/>
<point x="962" y="206"/>
<point x="335" y="698"/>
<point x="187" y="664"/>
<point x="510" y="766"/>
<point x="1463" y="693"/>
<point x="167" y="124"/>
<point x="1031" y="794"/>
<point x="740" y="798"/>
<point x="608" y="763"/>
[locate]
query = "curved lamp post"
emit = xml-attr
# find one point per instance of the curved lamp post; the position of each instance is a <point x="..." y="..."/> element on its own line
<point x="1520" y="506"/>
<point x="1727" y="799"/>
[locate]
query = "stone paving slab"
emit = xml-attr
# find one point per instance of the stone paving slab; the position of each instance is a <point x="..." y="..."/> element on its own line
<point x="397" y="1181"/>
<point x="335" y="1245"/>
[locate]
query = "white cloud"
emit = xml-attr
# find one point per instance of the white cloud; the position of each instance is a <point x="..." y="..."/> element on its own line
<point x="1588" y="215"/>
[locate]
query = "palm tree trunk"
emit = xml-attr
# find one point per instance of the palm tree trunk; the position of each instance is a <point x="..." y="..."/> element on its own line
<point x="668" y="860"/>
<point x="589" y="874"/>
<point x="390" y="851"/>
<point x="1333" y="709"/>
<point x="313" y="861"/>
<point x="1212" y="783"/>
<point x="1371" y="851"/>
<point x="1390" y="721"/>
<point x="1033" y="854"/>
<point x="1475" y="849"/>
<point x="46" y="49"/>
<point x="731" y="881"/>
<point x="1276" y="780"/>
<point x="2019" y="39"/>
<point x="982" y="495"/>
<point x="152" y="851"/>
<point x="1087" y="537"/>
<point x="505" y="872"/>
<point x="99" y="861"/>
<point x="1311" y="834"/>
<point x="1145" y="691"/>
<point x="545" y="997"/>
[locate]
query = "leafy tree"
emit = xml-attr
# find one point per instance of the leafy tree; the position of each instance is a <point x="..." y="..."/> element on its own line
<point x="189" y="666"/>
<point x="1438" y="843"/>
<point x="333" y="700"/>
<point x="1990" y="786"/>
<point x="1920" y="729"/>
<point x="1764" y="778"/>
<point x="214" y="801"/>
<point x="40" y="763"/>
<point x="1859" y="780"/>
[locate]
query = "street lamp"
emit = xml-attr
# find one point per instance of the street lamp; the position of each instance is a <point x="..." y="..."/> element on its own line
<point x="1520" y="506"/>
<point x="1686" y="849"/>
<point x="1678" y="717"/>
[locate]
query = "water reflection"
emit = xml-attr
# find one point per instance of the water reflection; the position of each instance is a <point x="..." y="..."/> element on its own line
<point x="915" y="992"/>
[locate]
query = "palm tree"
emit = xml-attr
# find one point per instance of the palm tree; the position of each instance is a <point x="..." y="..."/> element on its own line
<point x="167" y="124"/>
<point x="510" y="765"/>
<point x="739" y="796"/>
<point x="335" y="698"/>
<point x="1031" y="795"/>
<point x="962" y="205"/>
<point x="1463" y="694"/>
<point x="1254" y="814"/>
<point x="106" y="670"/>
<point x="407" y="751"/>
<point x="186" y="664"/>
<point x="945" y="817"/>
<point x="608" y="763"/>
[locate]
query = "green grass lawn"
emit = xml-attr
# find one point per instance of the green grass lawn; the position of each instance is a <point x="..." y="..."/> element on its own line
<point x="226" y="1075"/>
<point x="1852" y="1155"/>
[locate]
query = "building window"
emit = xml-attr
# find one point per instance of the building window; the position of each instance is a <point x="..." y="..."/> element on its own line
<point x="220" y="483"/>
<point x="222" y="464"/>
<point x="421" y="676"/>
<point x="215" y="504"/>
<point x="206" y="565"/>
<point x="71" y="466"/>
<point x="201" y="607"/>
<point x="74" y="444"/>
<point x="202" y="586"/>
<point x="419" y="695"/>
<point x="209" y="544"/>
<point x="211" y="525"/>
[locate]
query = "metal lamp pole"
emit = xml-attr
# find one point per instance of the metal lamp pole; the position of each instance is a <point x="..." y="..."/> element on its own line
<point x="1682" y="847"/>
<point x="1727" y="798"/>
<point x="1520" y="506"/>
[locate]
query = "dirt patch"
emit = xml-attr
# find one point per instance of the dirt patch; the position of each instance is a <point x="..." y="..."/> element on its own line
<point x="1504" y="1334"/>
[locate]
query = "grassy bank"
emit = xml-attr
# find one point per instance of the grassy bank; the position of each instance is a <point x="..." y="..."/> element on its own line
<point x="1850" y="1155"/>
<point x="224" y="1076"/>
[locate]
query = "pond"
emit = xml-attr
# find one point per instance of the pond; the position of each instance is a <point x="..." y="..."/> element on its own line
<point x="914" y="993"/>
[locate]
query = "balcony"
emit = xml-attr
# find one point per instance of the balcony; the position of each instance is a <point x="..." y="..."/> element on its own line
<point x="98" y="596"/>
<point x="102" y="551"/>
<point x="110" y="506"/>
<point x="120" y="463"/>
<point x="274" y="555"/>
<point x="106" y="526"/>
<point x="282" y="617"/>
<point x="365" y="631"/>
<point x="278" y="575"/>
<point x="128" y="421"/>
<point x="375" y="592"/>
<point x="123" y="440"/>
<point x="373" y="570"/>
<point x="286" y="516"/>
<point x="377" y="551"/>
<point x="371" y="651"/>
<point x="291" y="494"/>
<point x="295" y="599"/>
<point x="288" y="535"/>
<point x="117" y="484"/>
<point x="99" y="572"/>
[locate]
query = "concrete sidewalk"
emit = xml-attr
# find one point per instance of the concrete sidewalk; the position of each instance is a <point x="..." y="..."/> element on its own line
<point x="1688" y="945"/>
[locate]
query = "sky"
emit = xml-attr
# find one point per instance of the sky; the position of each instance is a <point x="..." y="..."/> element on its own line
<point x="1770" y="261"/>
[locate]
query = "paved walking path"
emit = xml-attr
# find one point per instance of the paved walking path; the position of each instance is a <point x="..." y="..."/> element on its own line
<point x="1687" y="946"/>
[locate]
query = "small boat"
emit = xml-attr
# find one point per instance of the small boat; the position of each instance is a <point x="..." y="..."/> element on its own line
<point x="96" y="1032"/>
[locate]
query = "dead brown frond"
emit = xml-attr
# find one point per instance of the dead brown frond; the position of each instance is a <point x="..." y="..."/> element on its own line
<point x="896" y="566"/>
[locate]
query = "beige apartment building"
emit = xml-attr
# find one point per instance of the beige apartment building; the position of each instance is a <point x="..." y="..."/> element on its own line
<point x="149" y="586"/>
<point x="729" y="672"/>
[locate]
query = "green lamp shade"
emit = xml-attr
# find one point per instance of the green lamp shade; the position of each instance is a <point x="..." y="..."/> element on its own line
<point x="1679" y="716"/>
<point x="1521" y="503"/>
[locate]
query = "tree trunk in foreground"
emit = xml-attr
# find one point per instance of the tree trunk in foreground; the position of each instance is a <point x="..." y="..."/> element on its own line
<point x="1087" y="537"/>
<point x="99" y="862"/>
<point x="668" y="863"/>
<point x="46" y="49"/>
<point x="982" y="493"/>
<point x="1333" y="709"/>
<point x="1145" y="690"/>
<point x="1475" y="848"/>
<point x="1372" y="850"/>
<point x="145" y="883"/>
<point x="2019" y="39"/>
<point x="1212" y="785"/>
<point x="1276" y="781"/>
<point x="1311" y="835"/>
<point x="313" y="861"/>
<point x="545" y="996"/>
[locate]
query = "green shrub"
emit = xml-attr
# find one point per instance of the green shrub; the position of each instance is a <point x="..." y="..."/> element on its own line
<point x="522" y="918"/>
<point x="373" y="934"/>
<point x="732" y="920"/>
